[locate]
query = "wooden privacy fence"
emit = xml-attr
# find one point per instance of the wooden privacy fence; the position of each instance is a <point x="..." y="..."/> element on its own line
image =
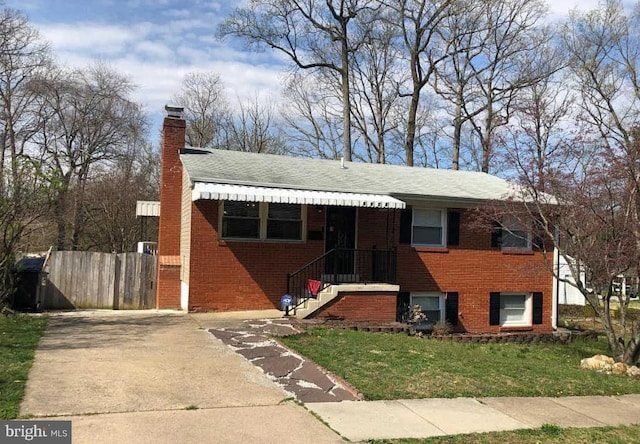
<point x="82" y="279"/>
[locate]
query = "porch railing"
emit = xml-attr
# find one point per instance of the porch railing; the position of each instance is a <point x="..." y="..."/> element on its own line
<point x="340" y="266"/>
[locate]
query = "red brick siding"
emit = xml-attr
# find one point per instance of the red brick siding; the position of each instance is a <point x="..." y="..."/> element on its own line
<point x="173" y="133"/>
<point x="252" y="275"/>
<point x="168" y="290"/>
<point x="235" y="275"/>
<point x="361" y="306"/>
<point x="473" y="269"/>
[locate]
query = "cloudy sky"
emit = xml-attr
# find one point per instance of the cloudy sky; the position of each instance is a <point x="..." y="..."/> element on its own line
<point x="156" y="42"/>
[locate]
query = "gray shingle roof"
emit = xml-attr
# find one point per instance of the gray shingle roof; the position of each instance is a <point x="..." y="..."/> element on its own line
<point x="267" y="170"/>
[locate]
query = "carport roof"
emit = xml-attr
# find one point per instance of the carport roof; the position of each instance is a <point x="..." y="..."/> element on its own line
<point x="294" y="173"/>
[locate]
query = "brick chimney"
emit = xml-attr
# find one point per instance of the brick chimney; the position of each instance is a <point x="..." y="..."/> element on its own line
<point x="173" y="139"/>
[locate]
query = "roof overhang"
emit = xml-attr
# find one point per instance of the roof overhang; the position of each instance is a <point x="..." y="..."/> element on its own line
<point x="221" y="191"/>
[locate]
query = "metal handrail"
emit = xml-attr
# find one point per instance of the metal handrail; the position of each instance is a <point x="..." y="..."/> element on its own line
<point x="341" y="265"/>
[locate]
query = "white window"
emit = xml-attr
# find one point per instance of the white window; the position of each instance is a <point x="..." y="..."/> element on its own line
<point x="429" y="227"/>
<point x="515" y="236"/>
<point x="432" y="305"/>
<point x="515" y="309"/>
<point x="261" y="220"/>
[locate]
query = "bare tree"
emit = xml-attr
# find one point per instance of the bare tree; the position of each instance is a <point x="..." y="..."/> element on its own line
<point x="206" y="109"/>
<point x="24" y="189"/>
<point x="23" y="55"/>
<point x="604" y="49"/>
<point x="111" y="224"/>
<point x="418" y="22"/>
<point x="494" y="48"/>
<point x="254" y="129"/>
<point x="313" y="117"/>
<point x="538" y="131"/>
<point x="314" y="34"/>
<point x="376" y="78"/>
<point x="90" y="120"/>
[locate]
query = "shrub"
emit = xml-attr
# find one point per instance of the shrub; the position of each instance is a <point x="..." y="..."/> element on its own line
<point x="441" y="328"/>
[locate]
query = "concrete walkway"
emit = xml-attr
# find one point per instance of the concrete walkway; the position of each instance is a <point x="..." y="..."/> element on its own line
<point x="162" y="377"/>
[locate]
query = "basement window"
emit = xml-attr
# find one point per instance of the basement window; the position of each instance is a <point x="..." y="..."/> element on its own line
<point x="431" y="303"/>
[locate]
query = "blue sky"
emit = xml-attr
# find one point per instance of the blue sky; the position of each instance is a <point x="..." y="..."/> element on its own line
<point x="157" y="42"/>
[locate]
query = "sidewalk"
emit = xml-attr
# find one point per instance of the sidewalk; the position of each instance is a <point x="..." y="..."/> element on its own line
<point x="423" y="418"/>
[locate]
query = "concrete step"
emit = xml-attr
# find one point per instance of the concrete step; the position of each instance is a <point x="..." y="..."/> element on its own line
<point x="313" y="304"/>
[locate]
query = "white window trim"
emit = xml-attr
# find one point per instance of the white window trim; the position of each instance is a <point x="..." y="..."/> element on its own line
<point x="432" y="294"/>
<point x="443" y="223"/>
<point x="506" y="228"/>
<point x="528" y="311"/>
<point x="263" y="213"/>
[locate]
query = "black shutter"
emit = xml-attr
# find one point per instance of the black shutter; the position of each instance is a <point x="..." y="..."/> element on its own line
<point x="453" y="228"/>
<point x="496" y="234"/>
<point x="494" y="308"/>
<point x="451" y="308"/>
<point x="402" y="306"/>
<point x="537" y="307"/>
<point x="406" y="222"/>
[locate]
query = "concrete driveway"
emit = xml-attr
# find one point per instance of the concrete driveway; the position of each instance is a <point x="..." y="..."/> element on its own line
<point x="123" y="376"/>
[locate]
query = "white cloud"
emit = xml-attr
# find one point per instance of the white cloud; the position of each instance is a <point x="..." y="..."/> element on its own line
<point x="563" y="7"/>
<point x="154" y="50"/>
<point x="91" y="38"/>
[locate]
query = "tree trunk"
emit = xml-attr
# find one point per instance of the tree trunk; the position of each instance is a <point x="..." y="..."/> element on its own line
<point x="457" y="135"/>
<point x="346" y="98"/>
<point x="411" y="127"/>
<point x="632" y="350"/>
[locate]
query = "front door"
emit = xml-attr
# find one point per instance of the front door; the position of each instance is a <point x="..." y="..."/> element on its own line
<point x="341" y="234"/>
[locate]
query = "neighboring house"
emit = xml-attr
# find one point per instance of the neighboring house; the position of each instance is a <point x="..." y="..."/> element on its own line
<point x="346" y="240"/>
<point x="567" y="294"/>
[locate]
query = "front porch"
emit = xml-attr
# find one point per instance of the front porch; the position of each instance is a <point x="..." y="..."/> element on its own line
<point x="353" y="284"/>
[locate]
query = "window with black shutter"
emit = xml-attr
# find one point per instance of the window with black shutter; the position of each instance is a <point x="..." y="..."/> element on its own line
<point x="406" y="221"/>
<point x="494" y="309"/>
<point x="537" y="307"/>
<point x="453" y="228"/>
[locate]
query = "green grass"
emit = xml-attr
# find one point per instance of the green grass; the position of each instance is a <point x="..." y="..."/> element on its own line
<point x="19" y="337"/>
<point x="545" y="434"/>
<point x="397" y="366"/>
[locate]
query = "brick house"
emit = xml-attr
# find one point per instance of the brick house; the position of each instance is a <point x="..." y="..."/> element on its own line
<point x="345" y="240"/>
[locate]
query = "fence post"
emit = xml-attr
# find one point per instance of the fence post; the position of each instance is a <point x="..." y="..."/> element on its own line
<point x="116" y="283"/>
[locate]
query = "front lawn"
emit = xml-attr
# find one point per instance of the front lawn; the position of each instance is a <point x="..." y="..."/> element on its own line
<point x="397" y="366"/>
<point x="19" y="337"/>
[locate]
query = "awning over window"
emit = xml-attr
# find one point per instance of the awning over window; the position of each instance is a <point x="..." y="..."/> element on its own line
<point x="219" y="191"/>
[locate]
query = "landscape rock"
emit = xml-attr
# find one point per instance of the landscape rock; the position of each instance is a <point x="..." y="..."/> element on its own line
<point x="597" y="362"/>
<point x="619" y="368"/>
<point x="633" y="372"/>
